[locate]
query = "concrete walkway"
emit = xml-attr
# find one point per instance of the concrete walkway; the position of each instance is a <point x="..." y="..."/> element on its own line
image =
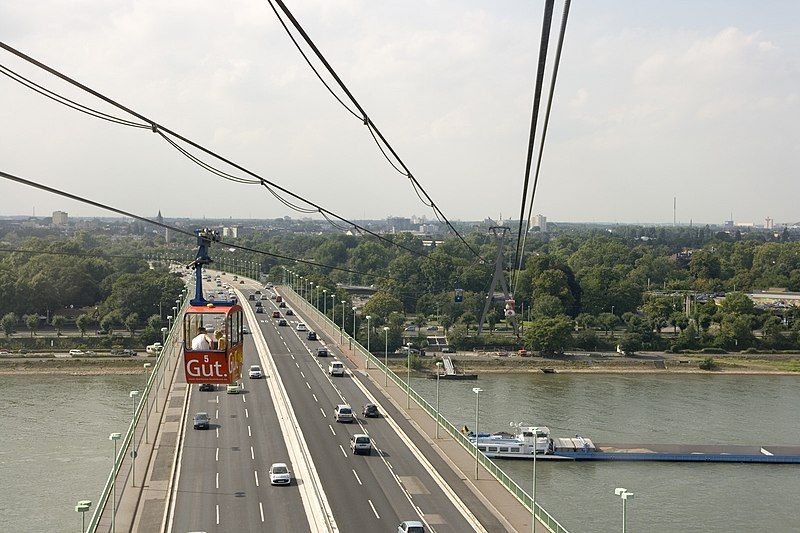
<point x="455" y="464"/>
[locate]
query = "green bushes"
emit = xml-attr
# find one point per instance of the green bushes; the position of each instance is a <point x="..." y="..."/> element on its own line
<point x="708" y="364"/>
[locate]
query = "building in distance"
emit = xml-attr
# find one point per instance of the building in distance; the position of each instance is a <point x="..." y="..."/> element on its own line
<point x="60" y="218"/>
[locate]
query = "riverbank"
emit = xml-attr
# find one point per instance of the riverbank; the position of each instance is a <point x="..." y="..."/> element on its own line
<point x="77" y="366"/>
<point x="758" y="364"/>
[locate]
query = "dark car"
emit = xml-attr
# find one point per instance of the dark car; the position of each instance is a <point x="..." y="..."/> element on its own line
<point x="282" y="305"/>
<point x="251" y="297"/>
<point x="128" y="351"/>
<point x="258" y="304"/>
<point x="241" y="282"/>
<point x="276" y="314"/>
<point x="282" y="322"/>
<point x="289" y="312"/>
<point x="259" y="309"/>
<point x="322" y="352"/>
<point x="207" y="387"/>
<point x="201" y="421"/>
<point x="258" y="292"/>
<point x="370" y="411"/>
<point x="311" y="335"/>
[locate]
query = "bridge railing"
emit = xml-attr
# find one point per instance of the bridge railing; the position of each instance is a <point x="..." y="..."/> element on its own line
<point x="123" y="465"/>
<point x="512" y="486"/>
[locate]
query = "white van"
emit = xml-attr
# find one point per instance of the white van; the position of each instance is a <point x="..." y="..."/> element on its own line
<point x="336" y="368"/>
<point x="360" y="443"/>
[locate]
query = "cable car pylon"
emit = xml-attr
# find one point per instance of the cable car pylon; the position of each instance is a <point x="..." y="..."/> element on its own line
<point x="499" y="277"/>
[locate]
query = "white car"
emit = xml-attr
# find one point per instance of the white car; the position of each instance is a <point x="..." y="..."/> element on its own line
<point x="76" y="352"/>
<point x="255" y="372"/>
<point x="336" y="368"/>
<point x="279" y="474"/>
<point x="360" y="443"/>
<point x="301" y="327"/>
<point x="343" y="413"/>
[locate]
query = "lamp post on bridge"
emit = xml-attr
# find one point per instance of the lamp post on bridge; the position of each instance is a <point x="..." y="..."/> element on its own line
<point x="408" y="376"/>
<point x="366" y="358"/>
<point x="625" y="496"/>
<point x="341" y="331"/>
<point x="438" y="374"/>
<point x="311" y="296"/>
<point x="386" y="356"/>
<point x="114" y="437"/>
<point x="325" y="301"/>
<point x="354" y="328"/>
<point x="133" y="394"/>
<point x="477" y="391"/>
<point x="82" y="507"/>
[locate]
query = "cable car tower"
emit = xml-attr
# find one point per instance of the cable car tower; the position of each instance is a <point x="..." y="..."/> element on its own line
<point x="499" y="277"/>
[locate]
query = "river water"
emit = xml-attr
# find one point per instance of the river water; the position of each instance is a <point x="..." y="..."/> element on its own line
<point x="695" y="409"/>
<point x="54" y="447"/>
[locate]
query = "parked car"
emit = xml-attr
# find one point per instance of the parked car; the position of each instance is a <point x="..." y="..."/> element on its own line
<point x="343" y="413"/>
<point x="336" y="368"/>
<point x="370" y="411"/>
<point x="360" y="444"/>
<point x="255" y="372"/>
<point x="76" y="352"/>
<point x="4" y="352"/>
<point x="128" y="351"/>
<point x="411" y="328"/>
<point x="282" y="322"/>
<point x="301" y="327"/>
<point x="322" y="352"/>
<point x="207" y="387"/>
<point x="201" y="421"/>
<point x="279" y="474"/>
<point x="411" y="526"/>
<point x="311" y="335"/>
<point x="448" y="349"/>
<point x="433" y="328"/>
<point x="276" y="314"/>
<point x="289" y="312"/>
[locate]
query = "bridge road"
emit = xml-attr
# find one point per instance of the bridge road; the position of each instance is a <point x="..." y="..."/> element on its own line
<point x="373" y="492"/>
<point x="223" y="481"/>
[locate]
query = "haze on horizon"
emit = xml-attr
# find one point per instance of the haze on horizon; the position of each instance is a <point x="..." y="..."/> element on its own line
<point x="697" y="100"/>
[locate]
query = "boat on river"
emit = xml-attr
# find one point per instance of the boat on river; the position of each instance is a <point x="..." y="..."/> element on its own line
<point x="537" y="439"/>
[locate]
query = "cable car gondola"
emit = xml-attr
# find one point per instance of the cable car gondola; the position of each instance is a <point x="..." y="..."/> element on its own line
<point x="216" y="358"/>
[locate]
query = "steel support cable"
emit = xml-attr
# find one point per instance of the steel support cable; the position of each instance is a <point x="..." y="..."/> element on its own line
<point x="210" y="168"/>
<point x="299" y="49"/>
<point x="157" y="128"/>
<point x="556" y="63"/>
<point x="42" y="187"/>
<point x="63" y="100"/>
<point x="537" y="94"/>
<point x="367" y="120"/>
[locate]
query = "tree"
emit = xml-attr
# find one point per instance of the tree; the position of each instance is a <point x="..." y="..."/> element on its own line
<point x="108" y="322"/>
<point x="586" y="321"/>
<point x="738" y="303"/>
<point x="446" y="322"/>
<point x="132" y="322"/>
<point x="607" y="321"/>
<point x="547" y="305"/>
<point x="32" y="322"/>
<point x="9" y="322"/>
<point x="82" y="323"/>
<point x="630" y="343"/>
<point x="381" y="305"/>
<point x="154" y="322"/>
<point x="468" y="318"/>
<point x="549" y="335"/>
<point x="58" y="322"/>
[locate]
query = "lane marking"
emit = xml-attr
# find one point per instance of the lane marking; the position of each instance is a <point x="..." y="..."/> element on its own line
<point x="246" y="414"/>
<point x="323" y="412"/>
<point x="307" y="385"/>
<point x="216" y="415"/>
<point x="252" y="454"/>
<point x="216" y="480"/>
<point x="217" y="431"/>
<point x="373" y="510"/>
<point x="244" y="398"/>
<point x="256" y="474"/>
<point x="315" y="397"/>
<point x="332" y="431"/>
<point x="217" y="398"/>
<point x="261" y="509"/>
<point x="357" y="478"/>
<point x="249" y="433"/>
<point x="216" y="455"/>
<point x="217" y="514"/>
<point x="301" y="373"/>
<point x="343" y="452"/>
<point x="297" y="364"/>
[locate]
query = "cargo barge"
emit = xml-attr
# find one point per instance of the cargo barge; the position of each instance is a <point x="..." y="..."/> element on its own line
<point x="521" y="445"/>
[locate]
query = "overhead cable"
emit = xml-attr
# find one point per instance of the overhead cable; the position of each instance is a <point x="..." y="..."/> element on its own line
<point x="379" y="138"/>
<point x="556" y="63"/>
<point x="40" y="186"/>
<point x="165" y="133"/>
<point x="537" y="94"/>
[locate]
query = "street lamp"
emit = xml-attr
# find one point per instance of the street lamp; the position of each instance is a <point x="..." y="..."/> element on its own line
<point x="341" y="331"/>
<point x="325" y="301"/>
<point x="146" y="366"/>
<point x="366" y="357"/>
<point x="408" y="377"/>
<point x="133" y="394"/>
<point x="625" y="496"/>
<point x="164" y="336"/>
<point x="354" y="328"/>
<point x="114" y="437"/>
<point x="82" y="507"/>
<point x="311" y="297"/>
<point x="438" y="374"/>
<point x="386" y="356"/>
<point x="169" y="321"/>
<point x="477" y="391"/>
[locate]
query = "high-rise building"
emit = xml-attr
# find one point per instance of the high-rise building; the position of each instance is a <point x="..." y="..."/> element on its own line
<point x="230" y="231"/>
<point x="167" y="233"/>
<point x="60" y="218"/>
<point x="539" y="221"/>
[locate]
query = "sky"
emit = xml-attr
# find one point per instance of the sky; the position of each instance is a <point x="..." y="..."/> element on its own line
<point x="695" y="100"/>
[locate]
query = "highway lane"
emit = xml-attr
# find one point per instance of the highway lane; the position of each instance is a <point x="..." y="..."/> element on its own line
<point x="372" y="491"/>
<point x="224" y="482"/>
